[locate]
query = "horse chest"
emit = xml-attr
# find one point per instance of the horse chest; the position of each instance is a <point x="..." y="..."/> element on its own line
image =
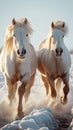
<point x="59" y="68"/>
<point x="21" y="69"/>
<point x="55" y="68"/>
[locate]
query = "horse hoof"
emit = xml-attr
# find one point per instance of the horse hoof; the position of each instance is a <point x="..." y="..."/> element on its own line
<point x="63" y="101"/>
<point x="20" y="116"/>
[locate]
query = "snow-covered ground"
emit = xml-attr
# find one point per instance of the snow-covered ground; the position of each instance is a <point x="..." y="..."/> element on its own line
<point x="37" y="110"/>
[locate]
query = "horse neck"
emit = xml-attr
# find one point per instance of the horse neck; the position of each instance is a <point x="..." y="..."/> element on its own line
<point x="13" y="55"/>
<point x="28" y="49"/>
<point x="46" y="45"/>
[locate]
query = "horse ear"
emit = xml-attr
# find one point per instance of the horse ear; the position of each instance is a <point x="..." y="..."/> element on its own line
<point x="25" y="21"/>
<point x="13" y="21"/>
<point x="63" y="25"/>
<point x="52" y="25"/>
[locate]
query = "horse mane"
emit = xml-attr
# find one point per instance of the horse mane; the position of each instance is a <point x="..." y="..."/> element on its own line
<point x="8" y="40"/>
<point x="59" y="25"/>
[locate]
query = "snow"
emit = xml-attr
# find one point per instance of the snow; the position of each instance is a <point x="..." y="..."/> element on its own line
<point x="35" y="120"/>
<point x="40" y="110"/>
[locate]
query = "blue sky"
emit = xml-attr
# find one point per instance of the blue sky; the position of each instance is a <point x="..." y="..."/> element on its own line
<point x="40" y="13"/>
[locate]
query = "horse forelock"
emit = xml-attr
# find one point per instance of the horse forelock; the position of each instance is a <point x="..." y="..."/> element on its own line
<point x="58" y="25"/>
<point x="22" y="24"/>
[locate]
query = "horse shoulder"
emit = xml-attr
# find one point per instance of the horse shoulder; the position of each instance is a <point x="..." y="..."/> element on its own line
<point x="32" y="50"/>
<point x="2" y="59"/>
<point x="67" y="58"/>
<point x="7" y="64"/>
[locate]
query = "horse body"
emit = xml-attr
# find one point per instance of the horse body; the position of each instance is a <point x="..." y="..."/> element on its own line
<point x="54" y="61"/>
<point x="18" y="61"/>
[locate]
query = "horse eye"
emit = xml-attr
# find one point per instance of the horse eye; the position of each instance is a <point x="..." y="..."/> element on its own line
<point x="26" y="35"/>
<point x="63" y="36"/>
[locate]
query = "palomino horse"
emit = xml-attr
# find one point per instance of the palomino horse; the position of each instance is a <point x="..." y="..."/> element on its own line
<point x="54" y="60"/>
<point x="18" y="60"/>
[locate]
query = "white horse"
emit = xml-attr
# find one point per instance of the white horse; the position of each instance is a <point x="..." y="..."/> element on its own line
<point x="54" y="60"/>
<point x="18" y="60"/>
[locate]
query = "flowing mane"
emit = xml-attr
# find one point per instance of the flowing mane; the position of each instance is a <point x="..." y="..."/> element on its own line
<point x="8" y="40"/>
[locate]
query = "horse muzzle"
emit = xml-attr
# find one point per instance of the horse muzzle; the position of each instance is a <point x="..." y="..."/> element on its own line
<point x="21" y="54"/>
<point x="59" y="52"/>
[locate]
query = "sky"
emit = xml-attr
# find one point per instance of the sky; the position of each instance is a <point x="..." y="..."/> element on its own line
<point x="40" y="13"/>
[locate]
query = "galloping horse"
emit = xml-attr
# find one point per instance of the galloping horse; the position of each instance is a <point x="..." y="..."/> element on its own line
<point x="54" y="60"/>
<point x="18" y="60"/>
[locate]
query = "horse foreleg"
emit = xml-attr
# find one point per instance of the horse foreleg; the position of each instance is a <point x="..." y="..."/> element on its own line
<point x="28" y="87"/>
<point x="52" y="86"/>
<point x="58" y="86"/>
<point x="11" y="90"/>
<point x="21" y="91"/>
<point x="46" y="84"/>
<point x="65" y="89"/>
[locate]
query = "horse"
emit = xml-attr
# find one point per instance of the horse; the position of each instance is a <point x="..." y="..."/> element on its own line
<point x="54" y="60"/>
<point x="18" y="61"/>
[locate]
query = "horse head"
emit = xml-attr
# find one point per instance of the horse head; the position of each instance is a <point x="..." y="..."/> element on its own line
<point x="17" y="37"/>
<point x="20" y="38"/>
<point x="57" y="34"/>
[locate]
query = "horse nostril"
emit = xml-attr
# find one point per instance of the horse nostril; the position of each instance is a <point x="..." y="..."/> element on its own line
<point x="56" y="50"/>
<point x="23" y="51"/>
<point x="61" y="50"/>
<point x="18" y="51"/>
